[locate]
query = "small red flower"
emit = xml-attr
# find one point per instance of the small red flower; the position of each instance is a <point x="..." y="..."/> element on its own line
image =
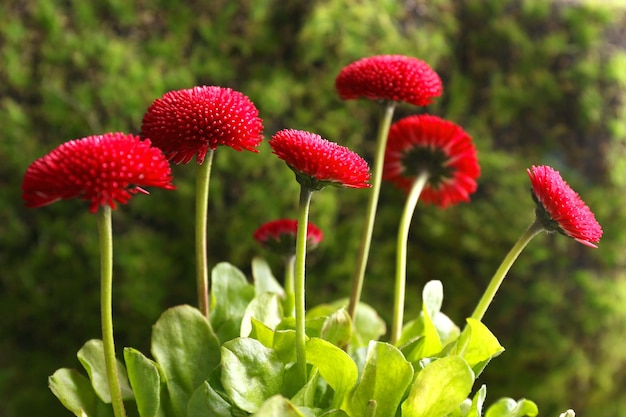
<point x="389" y="77"/>
<point x="318" y="162"/>
<point x="280" y="236"/>
<point x="560" y="209"/>
<point x="185" y="123"/>
<point x="438" y="146"/>
<point x="102" y="169"/>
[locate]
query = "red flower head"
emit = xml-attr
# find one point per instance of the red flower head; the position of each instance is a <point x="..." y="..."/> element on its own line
<point x="185" y="123"/>
<point x="318" y="162"/>
<point x="438" y="146"/>
<point x="389" y="77"/>
<point x="102" y="169"/>
<point x="560" y="209"/>
<point x="280" y="236"/>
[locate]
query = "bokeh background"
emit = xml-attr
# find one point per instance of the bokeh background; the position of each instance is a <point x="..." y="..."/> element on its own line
<point x="533" y="81"/>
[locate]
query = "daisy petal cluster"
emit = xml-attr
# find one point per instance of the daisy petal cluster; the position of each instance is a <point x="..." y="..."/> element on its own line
<point x="439" y="147"/>
<point x="186" y="123"/>
<point x="318" y="162"/>
<point x="389" y="77"/>
<point x="280" y="236"/>
<point x="102" y="169"/>
<point x="559" y="208"/>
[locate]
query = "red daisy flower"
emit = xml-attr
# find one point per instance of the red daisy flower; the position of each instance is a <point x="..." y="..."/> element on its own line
<point x="318" y="162"/>
<point x="560" y="209"/>
<point x="280" y="236"/>
<point x="389" y="77"/>
<point x="185" y="123"/>
<point x="438" y="146"/>
<point x="102" y="169"/>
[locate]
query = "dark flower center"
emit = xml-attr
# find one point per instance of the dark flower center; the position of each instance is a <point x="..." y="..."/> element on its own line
<point x="431" y="160"/>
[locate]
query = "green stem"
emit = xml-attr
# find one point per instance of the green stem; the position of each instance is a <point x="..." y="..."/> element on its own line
<point x="203" y="176"/>
<point x="506" y="264"/>
<point x="403" y="237"/>
<point x="289" y="284"/>
<point x="366" y="238"/>
<point x="106" y="311"/>
<point x="299" y="282"/>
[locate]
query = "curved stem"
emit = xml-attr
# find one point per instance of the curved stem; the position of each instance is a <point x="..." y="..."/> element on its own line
<point x="366" y="237"/>
<point x="506" y="264"/>
<point x="203" y="176"/>
<point x="403" y="237"/>
<point x="289" y="284"/>
<point x="299" y="282"/>
<point x="106" y="311"/>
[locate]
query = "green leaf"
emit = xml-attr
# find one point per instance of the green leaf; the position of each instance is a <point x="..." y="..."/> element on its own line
<point x="334" y="365"/>
<point x="568" y="413"/>
<point x="367" y="326"/>
<point x="432" y="297"/>
<point x="476" y="409"/>
<point x="262" y="333"/>
<point x="439" y="388"/>
<point x="305" y="397"/>
<point x="145" y="380"/>
<point x="264" y="280"/>
<point x="230" y="295"/>
<point x="508" y="407"/>
<point x="385" y="377"/>
<point x="251" y="373"/>
<point x="91" y="356"/>
<point x="206" y="402"/>
<point x="285" y="345"/>
<point x="278" y="406"/>
<point x="266" y="308"/>
<point x="74" y="391"/>
<point x="482" y="346"/>
<point x="334" y="413"/>
<point x="337" y="328"/>
<point x="186" y="350"/>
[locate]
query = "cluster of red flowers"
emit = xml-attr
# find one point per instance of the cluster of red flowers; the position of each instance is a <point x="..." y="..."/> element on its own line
<point x="182" y="124"/>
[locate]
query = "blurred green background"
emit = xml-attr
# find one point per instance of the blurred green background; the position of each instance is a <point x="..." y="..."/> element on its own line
<point x="533" y="81"/>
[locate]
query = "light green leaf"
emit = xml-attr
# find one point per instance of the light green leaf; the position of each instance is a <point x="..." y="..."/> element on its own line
<point x="230" y="295"/>
<point x="264" y="280"/>
<point x="145" y="380"/>
<point x="206" y="402"/>
<point x="385" y="377"/>
<point x="476" y="409"/>
<point x="334" y="413"/>
<point x="74" y="391"/>
<point x="278" y="406"/>
<point x="334" y="365"/>
<point x="91" y="356"/>
<point x="432" y="297"/>
<point x="251" y="373"/>
<point x="482" y="346"/>
<point x="337" y="328"/>
<point x="568" y="413"/>
<point x="285" y="345"/>
<point x="262" y="333"/>
<point x="266" y="308"/>
<point x="186" y="350"/>
<point x="367" y="326"/>
<point x="439" y="388"/>
<point x="306" y="396"/>
<point x="508" y="407"/>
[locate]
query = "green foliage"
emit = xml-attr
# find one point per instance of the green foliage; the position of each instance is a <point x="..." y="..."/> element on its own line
<point x="533" y="81"/>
